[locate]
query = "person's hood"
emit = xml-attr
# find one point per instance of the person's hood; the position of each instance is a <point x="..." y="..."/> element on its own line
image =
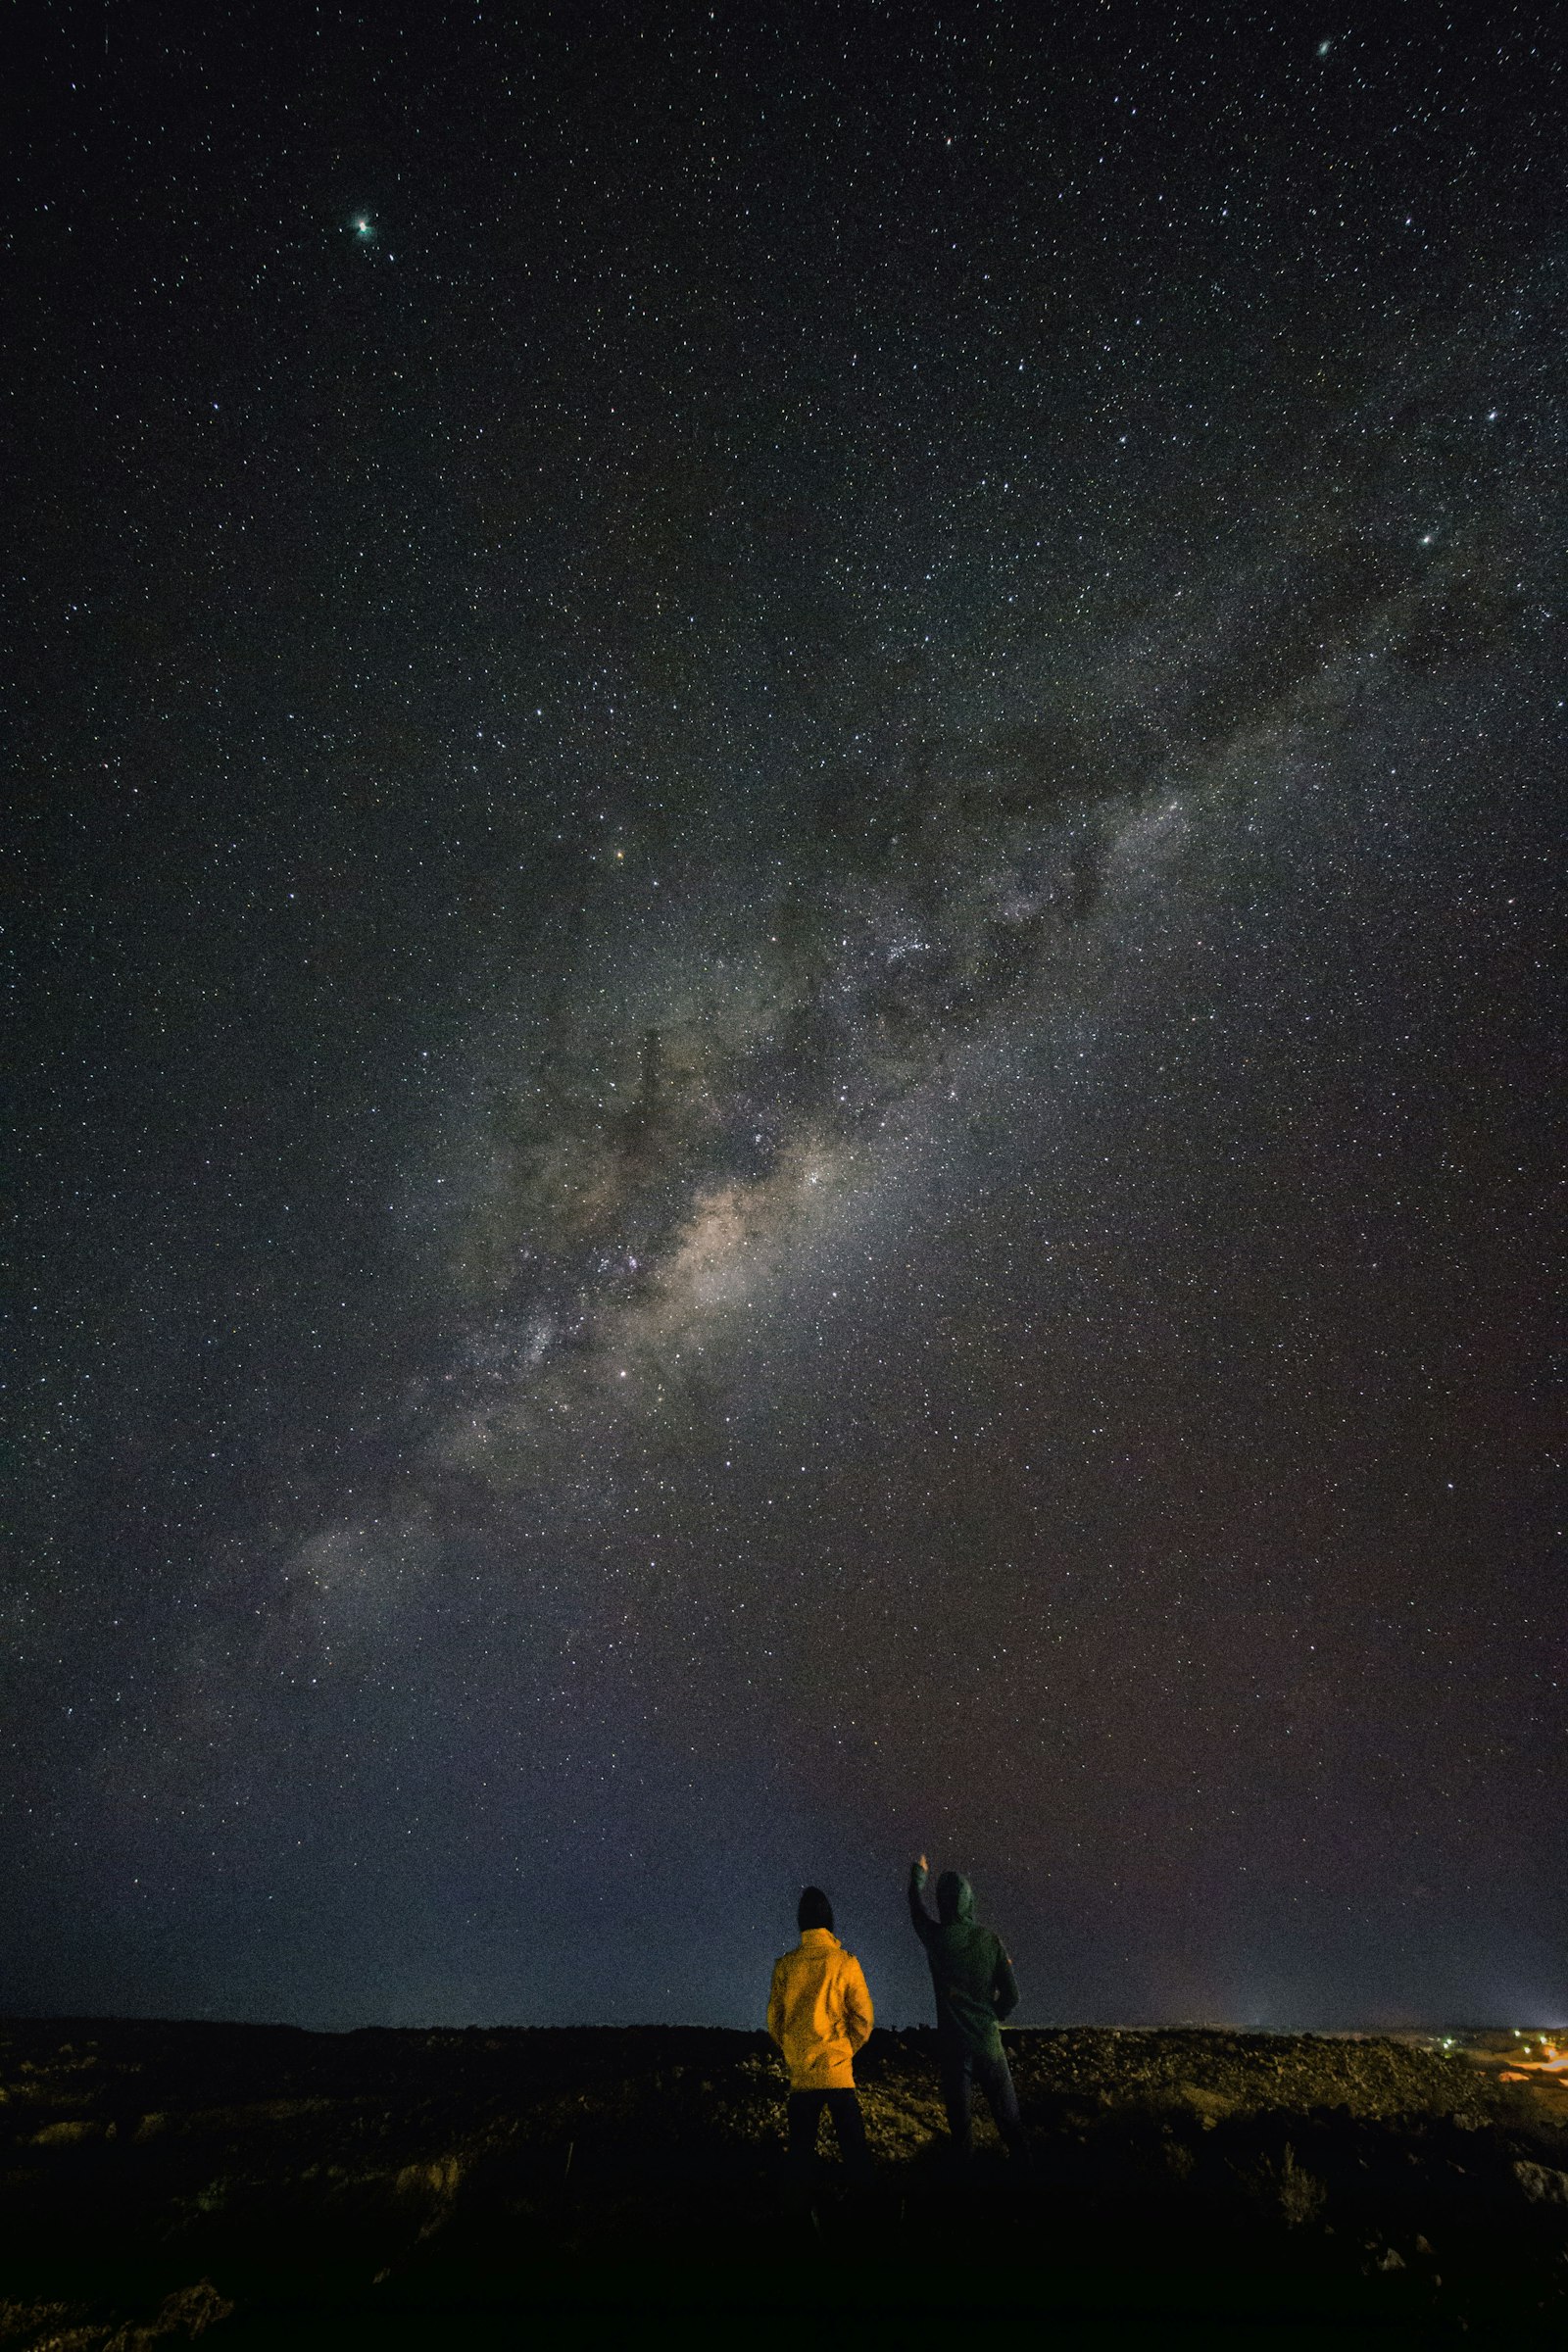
<point x="955" y="1900"/>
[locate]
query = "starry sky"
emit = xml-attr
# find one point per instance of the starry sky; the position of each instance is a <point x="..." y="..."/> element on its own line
<point x="787" y="816"/>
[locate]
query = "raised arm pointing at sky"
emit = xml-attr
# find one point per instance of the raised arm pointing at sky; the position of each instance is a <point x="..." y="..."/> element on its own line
<point x="976" y="1988"/>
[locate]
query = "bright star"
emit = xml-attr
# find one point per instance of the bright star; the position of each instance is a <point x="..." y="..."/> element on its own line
<point x="364" y="226"/>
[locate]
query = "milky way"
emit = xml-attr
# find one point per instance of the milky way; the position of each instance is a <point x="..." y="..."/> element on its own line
<point x="697" y="1070"/>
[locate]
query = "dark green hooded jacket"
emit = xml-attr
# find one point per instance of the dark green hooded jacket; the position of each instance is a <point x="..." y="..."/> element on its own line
<point x="971" y="1973"/>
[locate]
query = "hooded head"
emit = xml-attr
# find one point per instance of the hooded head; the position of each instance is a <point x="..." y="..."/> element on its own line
<point x="955" y="1900"/>
<point x="814" y="1910"/>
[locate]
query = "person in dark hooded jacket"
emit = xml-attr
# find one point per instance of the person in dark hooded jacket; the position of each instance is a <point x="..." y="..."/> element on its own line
<point x="976" y="1988"/>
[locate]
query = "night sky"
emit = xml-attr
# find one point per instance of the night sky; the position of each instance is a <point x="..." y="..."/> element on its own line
<point x="789" y="833"/>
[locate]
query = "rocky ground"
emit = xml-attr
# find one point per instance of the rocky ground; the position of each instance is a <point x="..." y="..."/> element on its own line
<point x="259" y="2186"/>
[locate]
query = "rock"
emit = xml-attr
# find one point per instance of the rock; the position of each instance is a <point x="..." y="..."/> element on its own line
<point x="1541" y="2183"/>
<point x="439" y="2179"/>
<point x="65" y="2135"/>
<point x="182" y="2318"/>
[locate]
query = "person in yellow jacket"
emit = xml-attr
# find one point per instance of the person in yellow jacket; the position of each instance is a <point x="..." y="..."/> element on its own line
<point x="819" y="2013"/>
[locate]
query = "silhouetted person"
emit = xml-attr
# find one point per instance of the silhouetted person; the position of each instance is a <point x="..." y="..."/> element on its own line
<point x="819" y="2013"/>
<point x="975" y="1987"/>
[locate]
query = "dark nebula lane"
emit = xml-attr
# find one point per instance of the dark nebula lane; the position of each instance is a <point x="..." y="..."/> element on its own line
<point x="790" y="849"/>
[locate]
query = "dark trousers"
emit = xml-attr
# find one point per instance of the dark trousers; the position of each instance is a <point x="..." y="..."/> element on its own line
<point x="806" y="2114"/>
<point x="960" y="2069"/>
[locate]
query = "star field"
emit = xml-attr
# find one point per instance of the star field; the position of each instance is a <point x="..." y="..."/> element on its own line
<point x="789" y="850"/>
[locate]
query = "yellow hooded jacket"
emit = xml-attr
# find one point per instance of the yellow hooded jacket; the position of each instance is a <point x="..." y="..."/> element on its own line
<point x="819" y="2011"/>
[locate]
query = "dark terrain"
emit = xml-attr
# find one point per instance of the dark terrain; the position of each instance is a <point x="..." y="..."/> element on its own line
<point x="249" y="2185"/>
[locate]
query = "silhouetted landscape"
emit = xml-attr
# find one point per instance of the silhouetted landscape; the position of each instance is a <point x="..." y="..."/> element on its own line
<point x="254" y="2185"/>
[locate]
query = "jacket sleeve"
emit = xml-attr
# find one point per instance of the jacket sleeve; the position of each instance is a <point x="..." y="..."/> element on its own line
<point x="857" y="2011"/>
<point x="1004" y="1986"/>
<point x="775" y="2004"/>
<point x="925" y="1926"/>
